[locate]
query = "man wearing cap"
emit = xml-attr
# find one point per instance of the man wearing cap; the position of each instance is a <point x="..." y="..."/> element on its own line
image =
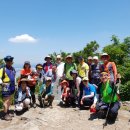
<point x="109" y="67"/>
<point x="95" y="71"/>
<point x="7" y="76"/>
<point x="68" y="66"/>
<point x="46" y="96"/>
<point x="47" y="65"/>
<point x="89" y="92"/>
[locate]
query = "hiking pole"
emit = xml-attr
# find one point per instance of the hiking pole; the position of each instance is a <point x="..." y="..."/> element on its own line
<point x="105" y="123"/>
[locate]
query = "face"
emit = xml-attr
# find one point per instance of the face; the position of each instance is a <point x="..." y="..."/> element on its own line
<point x="48" y="60"/>
<point x="27" y="66"/>
<point x="23" y="85"/>
<point x="104" y="77"/>
<point x="90" y="61"/>
<point x="58" y="60"/>
<point x="69" y="60"/>
<point x="105" y="59"/>
<point x="64" y="85"/>
<point x="9" y="63"/>
<point x="74" y="75"/>
<point x="85" y="82"/>
<point x="95" y="61"/>
<point x="48" y="82"/>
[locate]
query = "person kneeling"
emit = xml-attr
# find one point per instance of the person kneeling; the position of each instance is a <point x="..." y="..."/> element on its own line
<point x="108" y="105"/>
<point x="46" y="96"/>
<point x="23" y="96"/>
<point x="66" y="92"/>
<point x="89" y="92"/>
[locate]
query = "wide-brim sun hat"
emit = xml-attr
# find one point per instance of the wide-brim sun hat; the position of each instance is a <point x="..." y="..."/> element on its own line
<point x="47" y="58"/>
<point x="8" y="58"/>
<point x="105" y="54"/>
<point x="64" y="81"/>
<point x="23" y="80"/>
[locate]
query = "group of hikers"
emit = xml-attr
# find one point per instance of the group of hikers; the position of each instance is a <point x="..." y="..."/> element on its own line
<point x="91" y="84"/>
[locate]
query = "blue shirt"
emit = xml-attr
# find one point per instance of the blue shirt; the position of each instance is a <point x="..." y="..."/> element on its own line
<point x="89" y="89"/>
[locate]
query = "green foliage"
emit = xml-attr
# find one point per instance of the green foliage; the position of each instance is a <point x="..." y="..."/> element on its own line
<point x="125" y="91"/>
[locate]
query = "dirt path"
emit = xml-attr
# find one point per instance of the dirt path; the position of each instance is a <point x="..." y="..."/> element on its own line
<point x="62" y="119"/>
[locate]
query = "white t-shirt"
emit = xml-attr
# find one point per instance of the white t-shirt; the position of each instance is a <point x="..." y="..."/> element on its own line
<point x="60" y="70"/>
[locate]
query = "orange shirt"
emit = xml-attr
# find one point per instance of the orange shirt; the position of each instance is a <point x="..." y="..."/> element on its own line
<point x="25" y="72"/>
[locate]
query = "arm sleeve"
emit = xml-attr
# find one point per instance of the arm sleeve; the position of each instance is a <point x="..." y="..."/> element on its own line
<point x="114" y="70"/>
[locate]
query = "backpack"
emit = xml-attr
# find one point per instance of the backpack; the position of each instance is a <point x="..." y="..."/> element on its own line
<point x="9" y="88"/>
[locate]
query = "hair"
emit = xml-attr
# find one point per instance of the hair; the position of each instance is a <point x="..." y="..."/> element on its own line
<point x="25" y="64"/>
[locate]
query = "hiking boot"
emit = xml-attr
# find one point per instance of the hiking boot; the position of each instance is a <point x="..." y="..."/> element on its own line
<point x="7" y="117"/>
<point x="11" y="114"/>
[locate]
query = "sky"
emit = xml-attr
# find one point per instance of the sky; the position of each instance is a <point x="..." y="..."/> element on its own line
<point x="32" y="29"/>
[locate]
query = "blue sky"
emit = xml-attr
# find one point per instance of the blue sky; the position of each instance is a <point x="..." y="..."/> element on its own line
<point x="32" y="29"/>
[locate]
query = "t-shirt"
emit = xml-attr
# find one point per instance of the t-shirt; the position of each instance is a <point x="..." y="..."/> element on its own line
<point x="83" y="70"/>
<point x="60" y="70"/>
<point x="89" y="89"/>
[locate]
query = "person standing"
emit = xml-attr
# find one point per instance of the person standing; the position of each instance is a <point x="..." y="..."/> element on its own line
<point x="7" y="79"/>
<point x="109" y="67"/>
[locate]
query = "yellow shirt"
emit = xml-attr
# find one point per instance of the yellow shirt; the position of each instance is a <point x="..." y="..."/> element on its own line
<point x="83" y="70"/>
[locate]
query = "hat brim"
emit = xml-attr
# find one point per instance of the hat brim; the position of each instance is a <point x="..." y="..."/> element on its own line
<point x="64" y="82"/>
<point x="105" y="55"/>
<point x="47" y="57"/>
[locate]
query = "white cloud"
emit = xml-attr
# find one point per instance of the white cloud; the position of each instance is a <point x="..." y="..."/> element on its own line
<point x="24" y="38"/>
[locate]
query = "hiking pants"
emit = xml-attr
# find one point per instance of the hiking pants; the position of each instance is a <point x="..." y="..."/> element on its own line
<point x="88" y="101"/>
<point x="32" y="89"/>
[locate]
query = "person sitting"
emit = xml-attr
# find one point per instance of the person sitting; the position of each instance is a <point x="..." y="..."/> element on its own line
<point x="109" y="101"/>
<point x="23" y="97"/>
<point x="46" y="96"/>
<point x="66" y="92"/>
<point x="89" y="92"/>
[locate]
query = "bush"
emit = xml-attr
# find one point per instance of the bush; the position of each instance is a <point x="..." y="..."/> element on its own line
<point x="125" y="91"/>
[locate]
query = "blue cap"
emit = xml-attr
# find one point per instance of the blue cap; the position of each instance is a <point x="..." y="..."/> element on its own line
<point x="8" y="58"/>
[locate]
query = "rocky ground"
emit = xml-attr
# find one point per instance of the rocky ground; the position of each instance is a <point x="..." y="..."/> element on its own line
<point x="60" y="118"/>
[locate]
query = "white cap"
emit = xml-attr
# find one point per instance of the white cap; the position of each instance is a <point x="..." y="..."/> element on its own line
<point x="95" y="58"/>
<point x="90" y="58"/>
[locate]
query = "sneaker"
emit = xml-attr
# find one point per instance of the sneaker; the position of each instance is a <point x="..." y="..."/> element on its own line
<point x="7" y="117"/>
